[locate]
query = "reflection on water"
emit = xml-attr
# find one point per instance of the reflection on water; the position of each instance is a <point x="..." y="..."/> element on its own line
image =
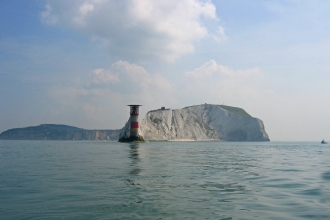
<point x="134" y="151"/>
<point x="134" y="156"/>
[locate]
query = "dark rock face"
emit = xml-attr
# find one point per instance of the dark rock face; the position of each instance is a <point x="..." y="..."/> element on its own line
<point x="58" y="132"/>
<point x="131" y="139"/>
<point x="237" y="135"/>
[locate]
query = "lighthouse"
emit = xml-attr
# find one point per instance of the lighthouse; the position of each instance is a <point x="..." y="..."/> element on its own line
<point x="130" y="133"/>
<point x="134" y="122"/>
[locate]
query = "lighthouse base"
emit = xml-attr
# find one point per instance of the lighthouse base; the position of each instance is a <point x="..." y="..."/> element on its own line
<point x="131" y="139"/>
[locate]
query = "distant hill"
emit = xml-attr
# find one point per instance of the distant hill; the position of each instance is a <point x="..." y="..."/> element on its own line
<point x="58" y="132"/>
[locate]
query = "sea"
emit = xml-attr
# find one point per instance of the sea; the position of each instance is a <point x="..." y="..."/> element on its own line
<point x="164" y="180"/>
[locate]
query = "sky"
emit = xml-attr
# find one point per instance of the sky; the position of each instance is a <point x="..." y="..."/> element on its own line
<point x="80" y="62"/>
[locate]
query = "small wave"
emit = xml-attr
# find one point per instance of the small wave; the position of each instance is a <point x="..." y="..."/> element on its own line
<point x="326" y="175"/>
<point x="311" y="192"/>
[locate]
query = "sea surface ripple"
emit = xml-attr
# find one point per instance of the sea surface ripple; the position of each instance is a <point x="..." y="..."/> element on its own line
<point x="164" y="180"/>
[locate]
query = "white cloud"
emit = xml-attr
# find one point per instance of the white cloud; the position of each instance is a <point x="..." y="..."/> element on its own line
<point x="85" y="8"/>
<point x="160" y="82"/>
<point x="129" y="80"/>
<point x="132" y="72"/>
<point x="209" y="69"/>
<point x="219" y="34"/>
<point x="216" y="83"/>
<point x="47" y="17"/>
<point x="140" y="29"/>
<point x="108" y="91"/>
<point x="101" y="76"/>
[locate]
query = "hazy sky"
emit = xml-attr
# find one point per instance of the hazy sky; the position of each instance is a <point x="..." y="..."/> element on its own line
<point x="80" y="62"/>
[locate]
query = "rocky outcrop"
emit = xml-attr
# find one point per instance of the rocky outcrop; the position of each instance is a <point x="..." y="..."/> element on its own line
<point x="201" y="123"/>
<point x="58" y="132"/>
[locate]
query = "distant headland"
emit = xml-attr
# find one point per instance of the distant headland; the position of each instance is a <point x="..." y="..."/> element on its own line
<point x="58" y="132"/>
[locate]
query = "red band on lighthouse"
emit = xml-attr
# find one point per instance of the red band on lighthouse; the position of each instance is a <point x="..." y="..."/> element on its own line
<point x="134" y="124"/>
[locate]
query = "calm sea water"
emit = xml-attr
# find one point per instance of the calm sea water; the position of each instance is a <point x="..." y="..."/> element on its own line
<point x="164" y="180"/>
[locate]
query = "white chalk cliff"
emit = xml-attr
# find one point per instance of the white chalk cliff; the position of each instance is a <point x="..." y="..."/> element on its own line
<point x="200" y="123"/>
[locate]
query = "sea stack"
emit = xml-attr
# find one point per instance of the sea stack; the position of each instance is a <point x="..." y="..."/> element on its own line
<point x="133" y="135"/>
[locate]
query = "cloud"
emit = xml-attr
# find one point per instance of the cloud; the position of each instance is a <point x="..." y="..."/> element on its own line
<point x="217" y="84"/>
<point x="209" y="69"/>
<point x="101" y="76"/>
<point x="219" y="35"/>
<point x="139" y="29"/>
<point x="213" y="70"/>
<point x="124" y="77"/>
<point x="107" y="91"/>
<point x="47" y="17"/>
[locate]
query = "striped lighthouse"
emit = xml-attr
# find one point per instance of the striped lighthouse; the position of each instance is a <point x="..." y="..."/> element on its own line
<point x="134" y="122"/>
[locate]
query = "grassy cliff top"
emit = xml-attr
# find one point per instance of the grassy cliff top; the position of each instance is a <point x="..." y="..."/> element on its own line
<point x="51" y="128"/>
<point x="235" y="110"/>
<point x="48" y="127"/>
<point x="40" y="129"/>
<point x="57" y="132"/>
